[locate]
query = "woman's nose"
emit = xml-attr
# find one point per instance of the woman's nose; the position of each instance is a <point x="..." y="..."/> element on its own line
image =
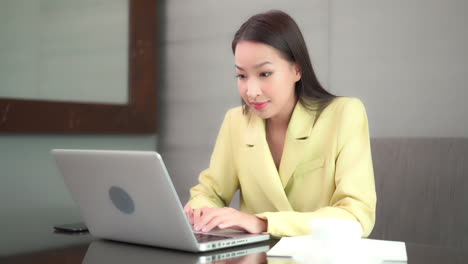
<point x="253" y="89"/>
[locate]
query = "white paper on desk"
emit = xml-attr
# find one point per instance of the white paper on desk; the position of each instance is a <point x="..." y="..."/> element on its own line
<point x="385" y="249"/>
<point x="307" y="246"/>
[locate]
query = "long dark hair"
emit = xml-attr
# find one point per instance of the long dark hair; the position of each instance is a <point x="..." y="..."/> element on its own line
<point x="279" y="30"/>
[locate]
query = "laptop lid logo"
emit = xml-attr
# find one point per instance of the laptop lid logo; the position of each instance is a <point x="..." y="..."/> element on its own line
<point x="121" y="199"/>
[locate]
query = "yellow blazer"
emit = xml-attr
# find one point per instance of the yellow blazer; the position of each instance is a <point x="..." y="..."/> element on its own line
<point x="325" y="171"/>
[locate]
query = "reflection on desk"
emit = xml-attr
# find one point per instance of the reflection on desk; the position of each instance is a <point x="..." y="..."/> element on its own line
<point x="102" y="251"/>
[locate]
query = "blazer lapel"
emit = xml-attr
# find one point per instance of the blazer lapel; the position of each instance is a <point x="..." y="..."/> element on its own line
<point x="299" y="129"/>
<point x="255" y="132"/>
<point x="261" y="165"/>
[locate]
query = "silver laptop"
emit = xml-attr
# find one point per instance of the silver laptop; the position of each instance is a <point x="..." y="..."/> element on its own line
<point x="128" y="196"/>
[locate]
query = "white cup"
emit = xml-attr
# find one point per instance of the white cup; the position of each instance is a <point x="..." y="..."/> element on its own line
<point x="335" y="229"/>
<point x="336" y="241"/>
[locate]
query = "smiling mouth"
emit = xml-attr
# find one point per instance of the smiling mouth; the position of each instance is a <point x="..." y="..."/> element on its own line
<point x="260" y="106"/>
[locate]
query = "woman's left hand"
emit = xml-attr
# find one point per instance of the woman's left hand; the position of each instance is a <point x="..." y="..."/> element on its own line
<point x="205" y="219"/>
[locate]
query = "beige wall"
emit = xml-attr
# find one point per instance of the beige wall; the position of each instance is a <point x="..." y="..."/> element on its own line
<point x="407" y="60"/>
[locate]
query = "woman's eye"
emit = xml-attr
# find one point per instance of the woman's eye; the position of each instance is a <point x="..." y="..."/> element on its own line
<point x="265" y="74"/>
<point x="241" y="76"/>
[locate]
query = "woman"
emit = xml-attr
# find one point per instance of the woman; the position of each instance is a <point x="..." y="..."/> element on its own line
<point x="295" y="151"/>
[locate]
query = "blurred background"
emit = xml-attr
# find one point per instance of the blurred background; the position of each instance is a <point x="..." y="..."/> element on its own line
<point x="405" y="59"/>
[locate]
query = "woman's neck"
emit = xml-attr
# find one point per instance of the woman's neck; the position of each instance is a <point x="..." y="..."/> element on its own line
<point x="281" y="120"/>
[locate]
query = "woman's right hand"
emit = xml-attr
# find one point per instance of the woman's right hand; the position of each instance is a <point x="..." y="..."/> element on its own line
<point x="206" y="218"/>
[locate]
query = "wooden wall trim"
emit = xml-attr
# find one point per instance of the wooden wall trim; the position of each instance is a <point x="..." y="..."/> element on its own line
<point x="138" y="116"/>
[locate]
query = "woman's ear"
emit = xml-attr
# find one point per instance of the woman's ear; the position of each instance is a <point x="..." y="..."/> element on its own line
<point x="297" y="72"/>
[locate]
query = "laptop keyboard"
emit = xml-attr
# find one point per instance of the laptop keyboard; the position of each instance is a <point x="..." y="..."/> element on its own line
<point x="203" y="238"/>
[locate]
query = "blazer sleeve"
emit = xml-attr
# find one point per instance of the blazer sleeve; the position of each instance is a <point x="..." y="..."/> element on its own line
<point x="354" y="196"/>
<point x="219" y="182"/>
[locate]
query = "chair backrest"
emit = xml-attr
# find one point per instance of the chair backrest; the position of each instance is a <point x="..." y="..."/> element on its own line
<point x="422" y="190"/>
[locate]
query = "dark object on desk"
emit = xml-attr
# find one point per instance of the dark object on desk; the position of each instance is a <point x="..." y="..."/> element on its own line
<point x="71" y="228"/>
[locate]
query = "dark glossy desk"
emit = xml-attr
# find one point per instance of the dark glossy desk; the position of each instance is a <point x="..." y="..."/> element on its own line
<point x="84" y="248"/>
<point x="29" y="238"/>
